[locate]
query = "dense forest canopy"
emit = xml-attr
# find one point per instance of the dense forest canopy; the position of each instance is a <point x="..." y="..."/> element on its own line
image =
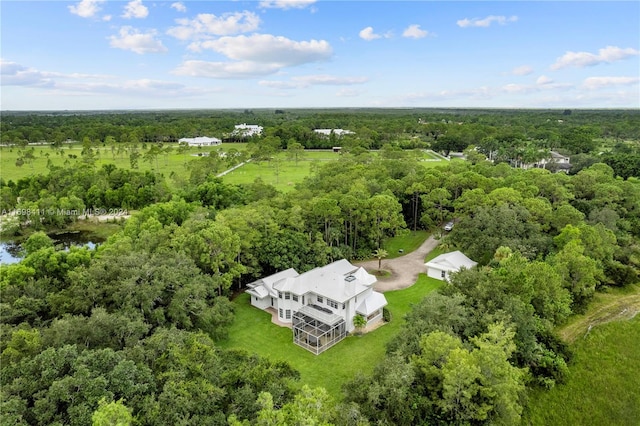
<point x="130" y="329"/>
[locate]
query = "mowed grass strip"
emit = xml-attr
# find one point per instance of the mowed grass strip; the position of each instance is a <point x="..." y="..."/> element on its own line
<point x="603" y="386"/>
<point x="254" y="332"/>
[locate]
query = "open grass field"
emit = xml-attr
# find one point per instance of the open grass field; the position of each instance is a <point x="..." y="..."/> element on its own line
<point x="173" y="162"/>
<point x="604" y="382"/>
<point x="287" y="173"/>
<point x="253" y="331"/>
<point x="284" y="177"/>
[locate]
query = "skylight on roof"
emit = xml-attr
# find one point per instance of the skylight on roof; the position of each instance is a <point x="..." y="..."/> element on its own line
<point x="349" y="278"/>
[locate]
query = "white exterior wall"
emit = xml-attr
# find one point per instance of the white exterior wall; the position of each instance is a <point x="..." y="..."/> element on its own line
<point x="261" y="303"/>
<point x="349" y="313"/>
<point x="285" y="304"/>
<point x="435" y="273"/>
<point x="375" y="319"/>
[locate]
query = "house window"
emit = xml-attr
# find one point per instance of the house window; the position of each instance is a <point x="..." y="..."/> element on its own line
<point x="279" y="295"/>
<point x="280" y="312"/>
<point x="303" y="300"/>
<point x="287" y="295"/>
<point x="295" y="297"/>
<point x="332" y="303"/>
<point x="344" y="305"/>
<point x="319" y="299"/>
<point x="442" y="274"/>
<point x="288" y="314"/>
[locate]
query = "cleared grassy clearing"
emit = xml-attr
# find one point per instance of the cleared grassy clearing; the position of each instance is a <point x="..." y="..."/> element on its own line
<point x="603" y="386"/>
<point x="253" y="331"/>
<point x="407" y="241"/>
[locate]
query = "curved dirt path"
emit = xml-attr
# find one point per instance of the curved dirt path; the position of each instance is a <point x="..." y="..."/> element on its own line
<point x="404" y="269"/>
<point x="620" y="308"/>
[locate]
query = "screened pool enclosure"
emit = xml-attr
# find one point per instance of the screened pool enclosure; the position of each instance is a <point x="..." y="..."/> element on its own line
<point x="316" y="328"/>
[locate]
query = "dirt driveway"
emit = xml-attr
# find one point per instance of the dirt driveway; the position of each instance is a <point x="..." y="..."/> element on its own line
<point x="404" y="269"/>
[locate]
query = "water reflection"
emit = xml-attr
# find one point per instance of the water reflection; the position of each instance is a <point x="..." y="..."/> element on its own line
<point x="11" y="251"/>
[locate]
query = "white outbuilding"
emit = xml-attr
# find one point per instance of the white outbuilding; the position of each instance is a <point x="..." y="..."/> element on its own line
<point x="201" y="141"/>
<point x="440" y="267"/>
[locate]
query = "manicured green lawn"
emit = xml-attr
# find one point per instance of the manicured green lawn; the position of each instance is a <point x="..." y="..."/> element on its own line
<point x="253" y="331"/>
<point x="407" y="241"/>
<point x="604" y="383"/>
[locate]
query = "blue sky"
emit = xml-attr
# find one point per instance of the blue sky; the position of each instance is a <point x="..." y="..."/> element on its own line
<point x="140" y="54"/>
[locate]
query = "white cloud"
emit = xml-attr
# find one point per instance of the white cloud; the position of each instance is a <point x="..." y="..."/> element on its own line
<point x="286" y="4"/>
<point x="585" y="59"/>
<point x="106" y="18"/>
<point x="543" y="79"/>
<point x="368" y="34"/>
<point x="129" y="87"/>
<point x="86" y="8"/>
<point x="348" y="93"/>
<point x="325" y="79"/>
<point x="543" y="83"/>
<point x="517" y="88"/>
<point x="414" y="31"/>
<point x="486" y="22"/>
<point x="132" y="39"/>
<point x="600" y="82"/>
<point x="522" y="70"/>
<point x="225" y="70"/>
<point x="255" y="55"/>
<point x="206" y="24"/>
<point x="313" y="80"/>
<point x="14" y="74"/>
<point x="179" y="6"/>
<point x="269" y="49"/>
<point x="135" y="9"/>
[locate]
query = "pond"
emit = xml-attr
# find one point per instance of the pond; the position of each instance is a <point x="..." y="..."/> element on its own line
<point x="11" y="251"/>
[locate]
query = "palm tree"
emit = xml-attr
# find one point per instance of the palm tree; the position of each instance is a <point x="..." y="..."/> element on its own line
<point x="380" y="254"/>
<point x="359" y="322"/>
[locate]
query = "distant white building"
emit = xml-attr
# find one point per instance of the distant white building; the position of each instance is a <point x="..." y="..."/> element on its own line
<point x="556" y="163"/>
<point x="337" y="132"/>
<point x="440" y="267"/>
<point x="320" y="304"/>
<point x="201" y="141"/>
<point x="247" y="130"/>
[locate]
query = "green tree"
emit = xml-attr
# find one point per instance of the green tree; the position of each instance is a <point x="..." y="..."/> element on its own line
<point x="37" y="241"/>
<point x="295" y="150"/>
<point x="114" y="413"/>
<point x="386" y="217"/>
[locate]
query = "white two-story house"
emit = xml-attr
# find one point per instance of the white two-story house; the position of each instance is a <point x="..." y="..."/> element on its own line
<point x="321" y="303"/>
